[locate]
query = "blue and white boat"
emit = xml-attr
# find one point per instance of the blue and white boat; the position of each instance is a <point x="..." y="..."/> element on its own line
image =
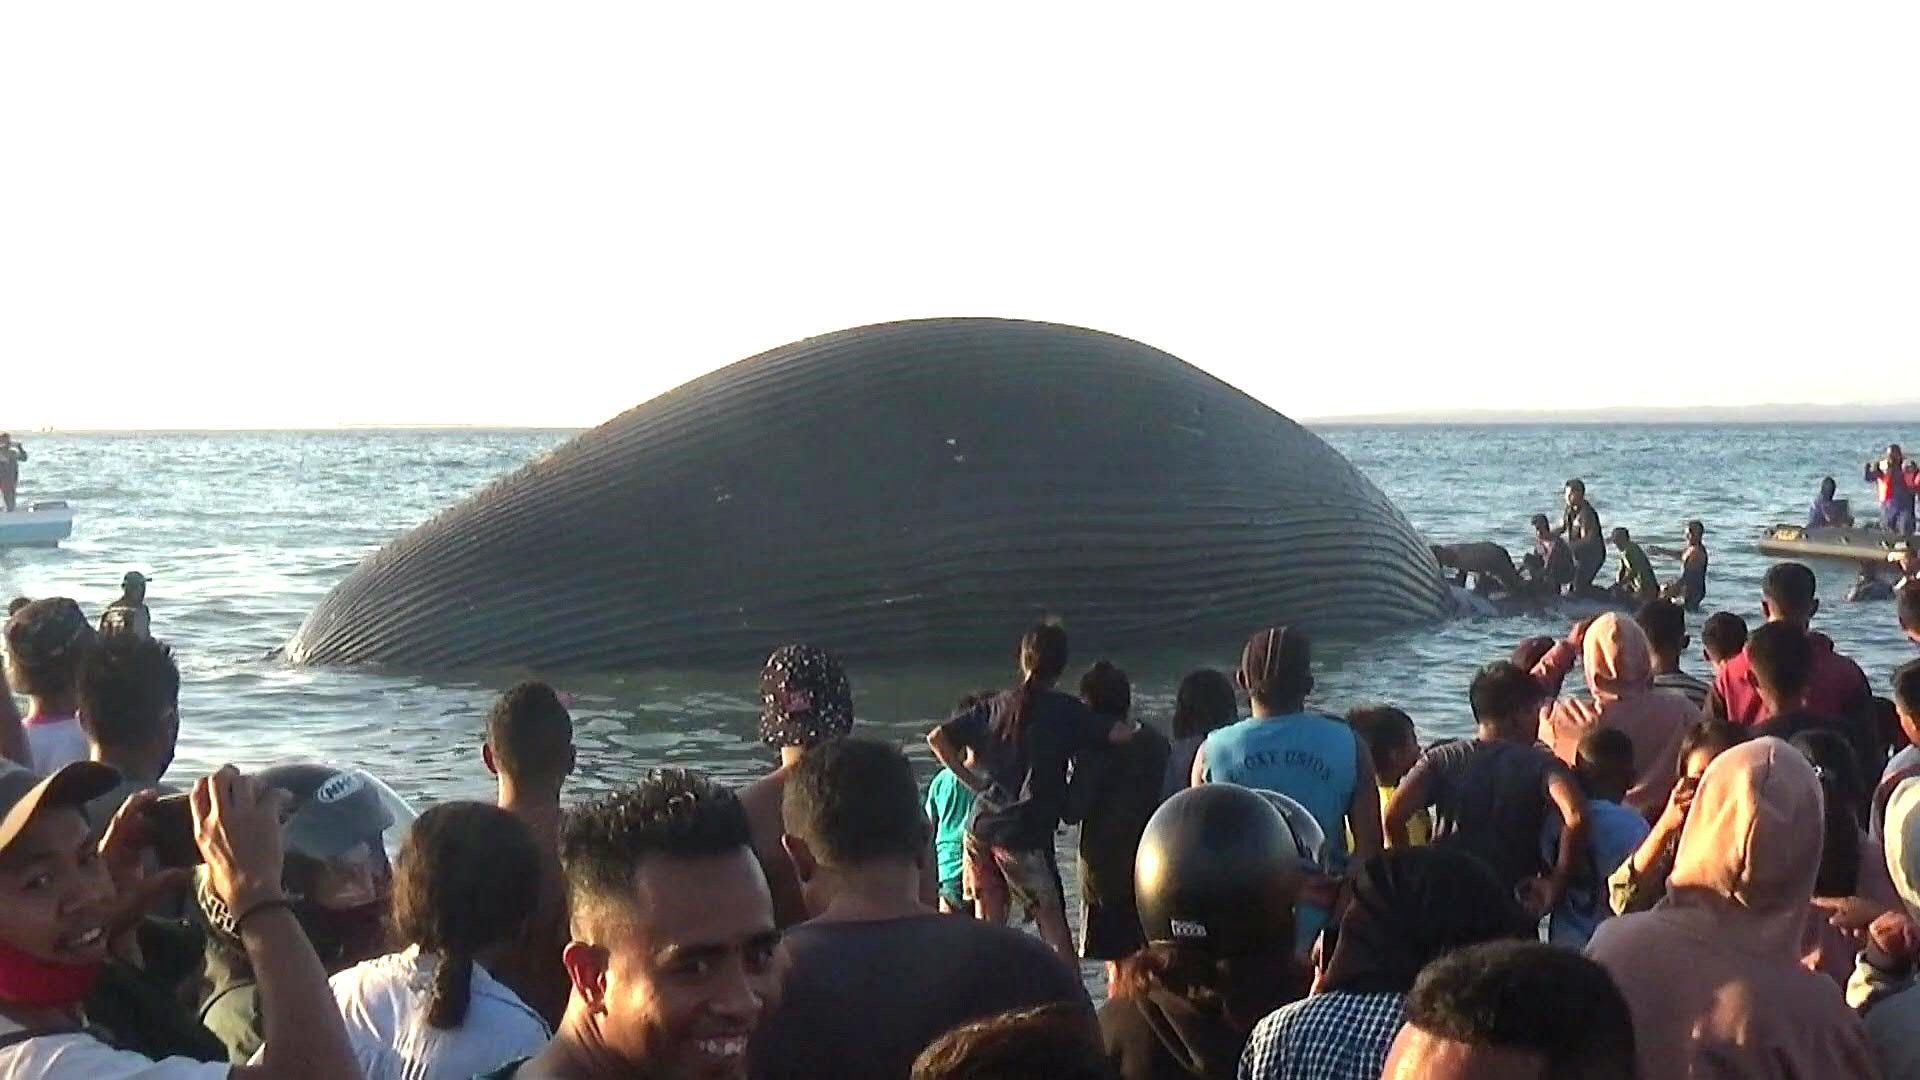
<point x="41" y="524"/>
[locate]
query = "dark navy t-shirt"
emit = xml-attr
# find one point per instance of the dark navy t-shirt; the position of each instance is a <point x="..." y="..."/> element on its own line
<point x="1028" y="779"/>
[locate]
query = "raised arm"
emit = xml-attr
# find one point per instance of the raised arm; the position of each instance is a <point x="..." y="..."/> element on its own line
<point x="237" y="823"/>
<point x="947" y="751"/>
<point x="1412" y="796"/>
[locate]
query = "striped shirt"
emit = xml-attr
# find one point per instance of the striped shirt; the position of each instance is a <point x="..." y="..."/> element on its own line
<point x="1694" y="689"/>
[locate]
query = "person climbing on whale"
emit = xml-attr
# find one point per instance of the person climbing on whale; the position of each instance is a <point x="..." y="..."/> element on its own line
<point x="1488" y="561"/>
<point x="1581" y="526"/>
<point x="1555" y="557"/>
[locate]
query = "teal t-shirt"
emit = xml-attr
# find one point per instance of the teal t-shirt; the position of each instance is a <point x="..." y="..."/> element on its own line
<point x="948" y="804"/>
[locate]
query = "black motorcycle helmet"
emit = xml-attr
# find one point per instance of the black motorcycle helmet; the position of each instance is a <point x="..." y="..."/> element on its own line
<point x="1219" y="870"/>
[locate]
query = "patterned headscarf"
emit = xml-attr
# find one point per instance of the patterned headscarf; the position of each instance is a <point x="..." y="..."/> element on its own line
<point x="804" y="698"/>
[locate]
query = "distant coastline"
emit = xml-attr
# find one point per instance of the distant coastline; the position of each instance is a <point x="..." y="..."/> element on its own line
<point x="1896" y="414"/>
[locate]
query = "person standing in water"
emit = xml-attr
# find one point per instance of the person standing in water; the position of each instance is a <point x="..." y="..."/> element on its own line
<point x="1315" y="760"/>
<point x="129" y="614"/>
<point x="1581" y="526"/>
<point x="1022" y="742"/>
<point x="1691" y="588"/>
<point x="1897" y="479"/>
<point x="11" y="455"/>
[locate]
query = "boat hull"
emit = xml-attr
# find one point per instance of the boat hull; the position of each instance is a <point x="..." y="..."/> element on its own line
<point x="1867" y="546"/>
<point x="41" y="525"/>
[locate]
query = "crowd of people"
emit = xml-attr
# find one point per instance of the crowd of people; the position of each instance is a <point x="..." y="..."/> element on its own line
<point x="1662" y="876"/>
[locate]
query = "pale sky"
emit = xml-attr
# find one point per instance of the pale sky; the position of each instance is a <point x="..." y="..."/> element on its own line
<point x="267" y="214"/>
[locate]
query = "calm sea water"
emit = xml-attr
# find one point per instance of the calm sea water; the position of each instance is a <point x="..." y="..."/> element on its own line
<point x="244" y="533"/>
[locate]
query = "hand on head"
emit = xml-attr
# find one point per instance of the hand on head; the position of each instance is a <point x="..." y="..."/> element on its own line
<point x="236" y="821"/>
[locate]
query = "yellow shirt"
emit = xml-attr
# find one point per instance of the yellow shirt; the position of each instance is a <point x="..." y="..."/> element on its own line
<point x="1419" y="826"/>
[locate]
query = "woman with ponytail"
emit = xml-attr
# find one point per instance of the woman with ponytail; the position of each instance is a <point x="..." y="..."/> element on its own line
<point x="1022" y="742"/>
<point x="460" y="902"/>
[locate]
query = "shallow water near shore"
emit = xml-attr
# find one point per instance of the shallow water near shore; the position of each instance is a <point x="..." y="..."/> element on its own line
<point x="245" y="532"/>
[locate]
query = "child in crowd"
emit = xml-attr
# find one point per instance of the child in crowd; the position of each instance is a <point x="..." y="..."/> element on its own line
<point x="47" y="640"/>
<point x="1492" y="794"/>
<point x="1640" y="882"/>
<point x="1114" y="790"/>
<point x="1722" y="638"/>
<point x="1906" y="763"/>
<point x="1394" y="747"/>
<point x="1604" y="767"/>
<point x="1205" y="703"/>
<point x="433" y="1011"/>
<point x="949" y="802"/>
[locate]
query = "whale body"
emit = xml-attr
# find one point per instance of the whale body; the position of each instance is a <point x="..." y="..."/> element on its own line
<point x="900" y="491"/>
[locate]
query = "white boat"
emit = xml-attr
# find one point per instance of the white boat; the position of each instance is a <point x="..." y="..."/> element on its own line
<point x="41" y="524"/>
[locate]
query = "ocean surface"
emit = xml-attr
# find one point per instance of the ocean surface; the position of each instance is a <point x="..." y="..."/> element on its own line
<point x="244" y="532"/>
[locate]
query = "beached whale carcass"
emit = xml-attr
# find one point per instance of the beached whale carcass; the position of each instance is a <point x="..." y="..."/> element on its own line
<point x="908" y="490"/>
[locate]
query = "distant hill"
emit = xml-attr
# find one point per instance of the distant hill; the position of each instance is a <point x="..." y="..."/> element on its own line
<point x="1904" y="412"/>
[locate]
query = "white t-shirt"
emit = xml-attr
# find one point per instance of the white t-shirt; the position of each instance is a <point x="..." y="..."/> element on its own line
<point x="56" y="743"/>
<point x="384" y="1004"/>
<point x="83" y="1057"/>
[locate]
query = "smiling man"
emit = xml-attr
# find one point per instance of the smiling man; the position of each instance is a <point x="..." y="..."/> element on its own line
<point x="673" y="957"/>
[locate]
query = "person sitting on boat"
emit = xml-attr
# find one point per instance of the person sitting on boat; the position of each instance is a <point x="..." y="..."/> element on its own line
<point x="1556" y="558"/>
<point x="1828" y="511"/>
<point x="1581" y="526"/>
<point x="1488" y="561"/>
<point x="11" y="455"/>
<point x="129" y="614"/>
<point x="1636" y="583"/>
<point x="1691" y="587"/>
<point x="1898" y="478"/>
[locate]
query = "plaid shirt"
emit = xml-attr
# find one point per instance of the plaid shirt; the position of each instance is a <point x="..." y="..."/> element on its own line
<point x="1331" y="1036"/>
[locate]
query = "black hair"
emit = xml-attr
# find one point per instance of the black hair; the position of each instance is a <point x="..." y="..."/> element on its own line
<point x="1828" y="485"/>
<point x="1578" y="485"/>
<point x="1107" y="691"/>
<point x="17" y="603"/>
<point x="1665" y="625"/>
<point x="129" y="687"/>
<point x="1907" y="606"/>
<point x="1277" y="667"/>
<point x="530" y="731"/>
<point x="1533" y="998"/>
<point x="1604" y="763"/>
<point x="1845" y="803"/>
<point x="1502" y="694"/>
<point x="1724" y="634"/>
<point x="1620" y="534"/>
<point x="1718" y="736"/>
<point x="1906" y="687"/>
<point x="1528" y="654"/>
<point x="1781" y="657"/>
<point x="854" y="802"/>
<point x="1043" y="657"/>
<point x="1384" y="729"/>
<point x="1540" y="522"/>
<point x="1789" y="588"/>
<point x="1057" y="1041"/>
<point x="449" y="899"/>
<point x="672" y="813"/>
<point x="1205" y="703"/>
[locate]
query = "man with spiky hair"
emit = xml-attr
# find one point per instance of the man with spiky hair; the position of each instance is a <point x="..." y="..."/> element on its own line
<point x="674" y="953"/>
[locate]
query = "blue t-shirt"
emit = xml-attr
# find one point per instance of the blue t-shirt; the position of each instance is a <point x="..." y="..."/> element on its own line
<point x="1309" y="758"/>
<point x="1614" y="832"/>
<point x="948" y="804"/>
